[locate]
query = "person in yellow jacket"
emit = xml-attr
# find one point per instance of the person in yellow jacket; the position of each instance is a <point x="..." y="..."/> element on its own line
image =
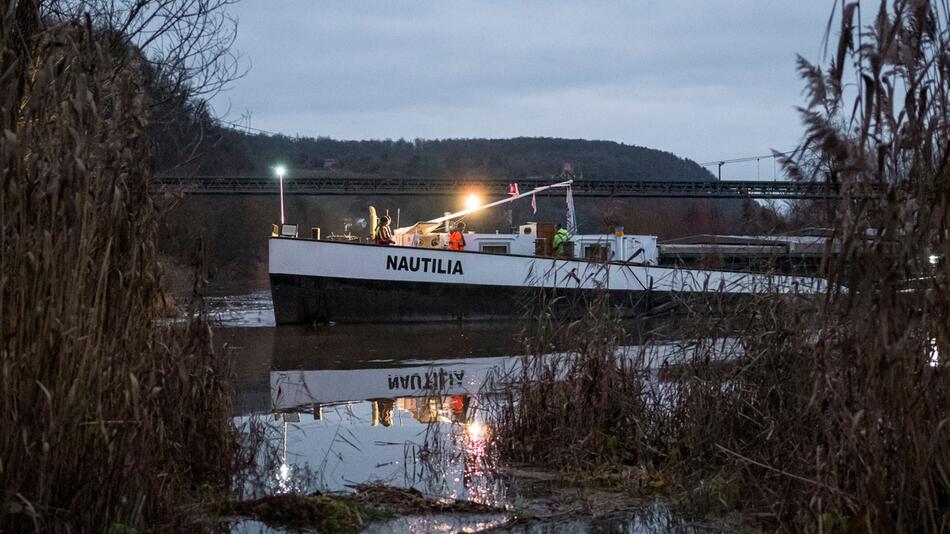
<point x="384" y="234"/>
<point x="560" y="238"/>
<point x="457" y="237"/>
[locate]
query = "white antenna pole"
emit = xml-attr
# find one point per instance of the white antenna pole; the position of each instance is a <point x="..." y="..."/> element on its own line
<point x="463" y="213"/>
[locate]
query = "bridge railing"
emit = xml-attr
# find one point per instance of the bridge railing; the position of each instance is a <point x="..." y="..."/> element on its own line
<point x="265" y="185"/>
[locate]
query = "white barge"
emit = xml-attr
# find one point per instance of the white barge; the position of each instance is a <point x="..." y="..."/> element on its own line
<point x="418" y="278"/>
<point x="346" y="282"/>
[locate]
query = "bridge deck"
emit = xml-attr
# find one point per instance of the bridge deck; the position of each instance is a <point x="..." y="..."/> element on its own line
<point x="258" y="185"/>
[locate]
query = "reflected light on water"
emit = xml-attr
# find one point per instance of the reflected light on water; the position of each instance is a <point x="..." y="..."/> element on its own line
<point x="283" y="478"/>
<point x="475" y="430"/>
<point x="284" y="471"/>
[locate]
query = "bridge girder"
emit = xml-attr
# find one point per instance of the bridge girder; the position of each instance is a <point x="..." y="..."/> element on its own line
<point x="258" y="185"/>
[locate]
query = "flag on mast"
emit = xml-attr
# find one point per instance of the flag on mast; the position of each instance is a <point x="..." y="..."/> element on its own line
<point x="513" y="190"/>
<point x="534" y="204"/>
<point x="571" y="216"/>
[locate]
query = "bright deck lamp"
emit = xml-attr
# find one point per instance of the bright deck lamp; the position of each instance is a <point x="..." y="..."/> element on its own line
<point x="280" y="170"/>
<point x="472" y="202"/>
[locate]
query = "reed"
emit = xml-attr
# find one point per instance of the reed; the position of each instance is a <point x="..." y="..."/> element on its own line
<point x="832" y="414"/>
<point x="107" y="418"/>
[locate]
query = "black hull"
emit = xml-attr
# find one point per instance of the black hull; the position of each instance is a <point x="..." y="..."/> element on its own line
<point x="308" y="299"/>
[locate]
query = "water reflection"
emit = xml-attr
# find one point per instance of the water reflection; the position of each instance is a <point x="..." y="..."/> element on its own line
<point x="356" y="404"/>
<point x="462" y="378"/>
<point x="352" y="405"/>
<point x="349" y="405"/>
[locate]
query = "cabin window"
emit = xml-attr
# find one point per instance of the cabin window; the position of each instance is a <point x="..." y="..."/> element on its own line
<point x="493" y="249"/>
<point x="597" y="252"/>
<point x="288" y="230"/>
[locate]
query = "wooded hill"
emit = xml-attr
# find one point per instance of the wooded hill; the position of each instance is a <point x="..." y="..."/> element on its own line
<point x="232" y="152"/>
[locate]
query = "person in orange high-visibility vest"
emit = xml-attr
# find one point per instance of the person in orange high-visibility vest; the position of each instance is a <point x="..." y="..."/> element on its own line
<point x="457" y="237"/>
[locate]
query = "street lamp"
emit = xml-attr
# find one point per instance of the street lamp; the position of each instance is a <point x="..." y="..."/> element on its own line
<point x="281" y="171"/>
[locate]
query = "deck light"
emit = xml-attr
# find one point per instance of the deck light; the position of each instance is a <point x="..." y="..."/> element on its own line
<point x="281" y="171"/>
<point x="472" y="202"/>
<point x="934" y="259"/>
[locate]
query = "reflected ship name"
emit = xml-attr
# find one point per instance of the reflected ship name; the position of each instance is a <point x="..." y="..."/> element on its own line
<point x="433" y="380"/>
<point x="294" y="388"/>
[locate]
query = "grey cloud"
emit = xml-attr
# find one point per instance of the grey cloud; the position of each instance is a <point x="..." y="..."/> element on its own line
<point x="702" y="79"/>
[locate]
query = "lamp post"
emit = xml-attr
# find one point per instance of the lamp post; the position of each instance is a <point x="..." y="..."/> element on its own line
<point x="281" y="171"/>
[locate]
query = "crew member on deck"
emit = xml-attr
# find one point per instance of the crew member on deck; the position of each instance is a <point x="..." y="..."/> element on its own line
<point x="457" y="237"/>
<point x="384" y="235"/>
<point x="560" y="238"/>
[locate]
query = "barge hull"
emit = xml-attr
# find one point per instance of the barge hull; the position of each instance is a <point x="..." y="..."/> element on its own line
<point x="324" y="281"/>
<point x="313" y="299"/>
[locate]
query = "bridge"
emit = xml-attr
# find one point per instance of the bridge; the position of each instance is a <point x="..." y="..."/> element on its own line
<point x="268" y="185"/>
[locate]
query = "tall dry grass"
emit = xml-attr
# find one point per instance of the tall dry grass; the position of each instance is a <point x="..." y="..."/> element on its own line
<point x="105" y="417"/>
<point x="833" y="415"/>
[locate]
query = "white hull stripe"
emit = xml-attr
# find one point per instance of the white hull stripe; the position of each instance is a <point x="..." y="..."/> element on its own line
<point x="403" y="264"/>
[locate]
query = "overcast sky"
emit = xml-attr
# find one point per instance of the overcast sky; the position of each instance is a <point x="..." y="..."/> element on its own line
<point x="702" y="79"/>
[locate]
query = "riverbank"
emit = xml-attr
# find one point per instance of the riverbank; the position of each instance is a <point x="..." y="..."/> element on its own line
<point x="545" y="503"/>
<point x="349" y="405"/>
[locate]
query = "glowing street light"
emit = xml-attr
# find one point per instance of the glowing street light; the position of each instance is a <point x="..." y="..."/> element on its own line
<point x="281" y="171"/>
<point x="472" y="202"/>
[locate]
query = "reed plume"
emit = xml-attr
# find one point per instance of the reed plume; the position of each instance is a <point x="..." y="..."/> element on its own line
<point x="108" y="417"/>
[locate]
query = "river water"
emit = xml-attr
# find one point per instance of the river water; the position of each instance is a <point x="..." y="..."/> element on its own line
<point x="355" y="404"/>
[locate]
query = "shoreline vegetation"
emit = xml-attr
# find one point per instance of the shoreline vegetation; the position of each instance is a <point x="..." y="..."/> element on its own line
<point x="351" y="512"/>
<point x="833" y="416"/>
<point x="109" y="421"/>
